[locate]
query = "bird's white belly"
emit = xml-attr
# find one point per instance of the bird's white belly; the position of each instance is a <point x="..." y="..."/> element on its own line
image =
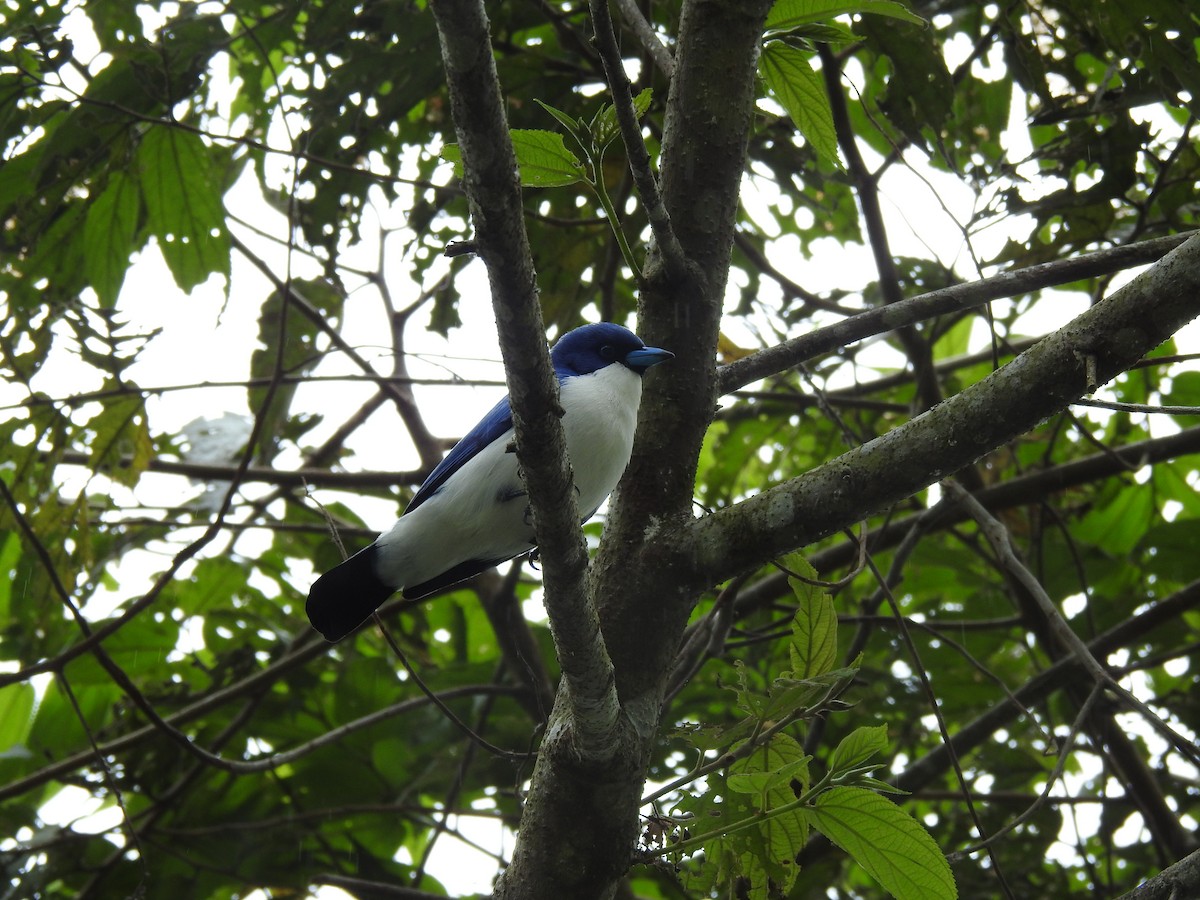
<point x="481" y="512"/>
<point x="599" y="430"/>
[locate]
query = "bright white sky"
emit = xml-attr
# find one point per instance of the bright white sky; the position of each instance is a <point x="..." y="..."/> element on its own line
<point x="208" y="339"/>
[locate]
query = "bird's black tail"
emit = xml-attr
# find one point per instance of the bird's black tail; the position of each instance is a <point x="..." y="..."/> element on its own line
<point x="341" y="599"/>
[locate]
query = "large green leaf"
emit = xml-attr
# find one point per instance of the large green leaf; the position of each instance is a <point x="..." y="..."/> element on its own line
<point x="182" y="193"/>
<point x="16" y="706"/>
<point x="891" y="845"/>
<point x="813" y="647"/>
<point x="108" y="236"/>
<point x="790" y="13"/>
<point x="801" y="92"/>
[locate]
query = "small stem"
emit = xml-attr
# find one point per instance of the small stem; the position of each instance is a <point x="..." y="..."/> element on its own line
<point x="610" y="212"/>
<point x="749" y="822"/>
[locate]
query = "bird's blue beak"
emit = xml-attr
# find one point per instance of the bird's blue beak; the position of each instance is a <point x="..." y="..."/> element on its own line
<point x="643" y="359"/>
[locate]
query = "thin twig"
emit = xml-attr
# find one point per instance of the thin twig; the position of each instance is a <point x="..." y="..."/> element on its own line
<point x="650" y="41"/>
<point x="674" y="258"/>
<point x="437" y="701"/>
<point x="997" y="535"/>
<point x="1064" y="754"/>
<point x="943" y="730"/>
<point x="111" y="781"/>
<point x="945" y="300"/>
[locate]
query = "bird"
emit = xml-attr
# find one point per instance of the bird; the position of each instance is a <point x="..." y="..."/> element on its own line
<point x="471" y="513"/>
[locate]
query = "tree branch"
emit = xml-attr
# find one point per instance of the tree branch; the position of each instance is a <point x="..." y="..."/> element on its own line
<point x="1031" y="488"/>
<point x="997" y="535"/>
<point x="1099" y="344"/>
<point x="427" y="445"/>
<point x="945" y="300"/>
<point x="674" y="258"/>
<point x="931" y="765"/>
<point x="644" y="32"/>
<point x="916" y="347"/>
<point x="280" y="477"/>
<point x="1179" y="880"/>
<point x="588" y="713"/>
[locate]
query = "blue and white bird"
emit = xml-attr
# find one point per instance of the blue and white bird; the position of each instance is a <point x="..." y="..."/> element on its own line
<point x="471" y="512"/>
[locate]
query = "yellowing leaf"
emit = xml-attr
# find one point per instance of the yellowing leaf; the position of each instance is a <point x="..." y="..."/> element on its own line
<point x="122" y="447"/>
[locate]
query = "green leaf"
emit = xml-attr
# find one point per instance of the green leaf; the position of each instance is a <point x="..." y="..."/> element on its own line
<point x="443" y="314"/>
<point x="10" y="554"/>
<point x="16" y="708"/>
<point x="108" y="237"/>
<point x="141" y="646"/>
<point x="604" y="124"/>
<point x="766" y="851"/>
<point x="452" y="153"/>
<point x="183" y="204"/>
<point x="813" y="648"/>
<point x="761" y="782"/>
<point x="56" y="730"/>
<point x="857" y="747"/>
<point x="1118" y="526"/>
<point x="874" y="784"/>
<point x="812" y="33"/>
<point x="790" y="13"/>
<point x="748" y="699"/>
<point x="573" y="127"/>
<point x="801" y="92"/>
<point x="886" y="841"/>
<point x="1185" y="390"/>
<point x="956" y="341"/>
<point x="789" y="695"/>
<point x="544" y="159"/>
<point x="1171" y="480"/>
<point x="919" y="94"/>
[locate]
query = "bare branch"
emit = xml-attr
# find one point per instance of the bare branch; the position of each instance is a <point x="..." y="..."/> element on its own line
<point x="268" y="475"/>
<point x="644" y="32"/>
<point x="590" y="720"/>
<point x="866" y="185"/>
<point x="1105" y="340"/>
<point x="935" y="303"/>
<point x="674" y="258"/>
<point x="1179" y="880"/>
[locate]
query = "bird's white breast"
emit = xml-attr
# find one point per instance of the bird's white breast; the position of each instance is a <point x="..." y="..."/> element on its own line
<point x="475" y="514"/>
<point x="601" y="417"/>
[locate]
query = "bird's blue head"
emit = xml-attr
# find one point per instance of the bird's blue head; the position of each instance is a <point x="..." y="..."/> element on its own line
<point x="590" y="348"/>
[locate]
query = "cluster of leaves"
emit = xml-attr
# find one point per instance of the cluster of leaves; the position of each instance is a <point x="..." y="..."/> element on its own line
<point x="760" y="804"/>
<point x="288" y="760"/>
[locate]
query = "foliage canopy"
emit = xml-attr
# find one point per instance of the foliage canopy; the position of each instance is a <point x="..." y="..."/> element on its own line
<point x="992" y="630"/>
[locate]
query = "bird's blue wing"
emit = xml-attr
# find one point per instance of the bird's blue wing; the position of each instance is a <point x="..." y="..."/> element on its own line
<point x="489" y="428"/>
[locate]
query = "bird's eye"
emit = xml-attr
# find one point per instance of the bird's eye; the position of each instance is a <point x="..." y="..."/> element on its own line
<point x="608" y="353"/>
